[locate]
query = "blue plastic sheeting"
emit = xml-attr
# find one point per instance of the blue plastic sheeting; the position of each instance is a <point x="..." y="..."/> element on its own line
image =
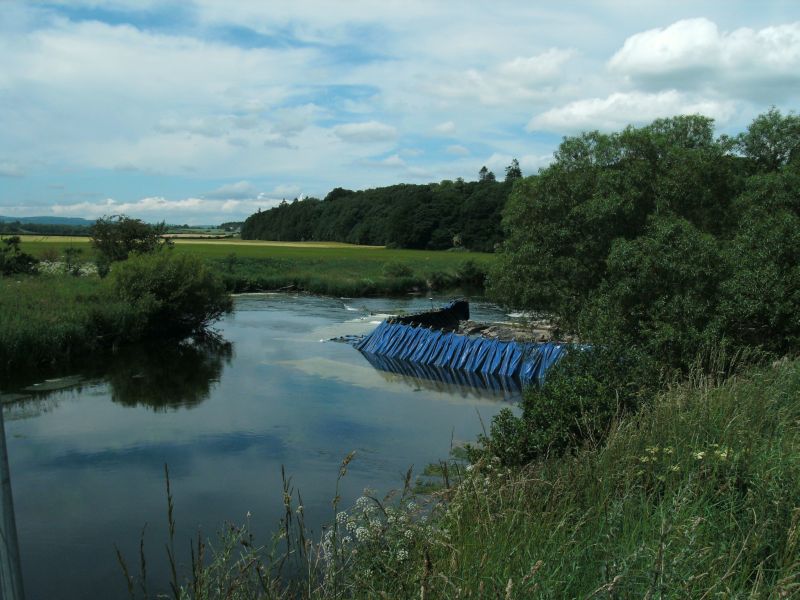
<point x="508" y="386"/>
<point x="420" y="346"/>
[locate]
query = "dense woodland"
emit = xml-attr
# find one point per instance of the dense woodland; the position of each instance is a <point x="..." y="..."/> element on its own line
<point x="664" y="236"/>
<point x="435" y="216"/>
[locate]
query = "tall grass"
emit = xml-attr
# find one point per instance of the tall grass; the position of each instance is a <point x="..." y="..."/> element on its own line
<point x="336" y="269"/>
<point x="48" y="319"/>
<point x="696" y="496"/>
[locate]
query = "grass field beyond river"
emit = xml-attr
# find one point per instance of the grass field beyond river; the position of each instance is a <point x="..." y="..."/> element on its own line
<point x="55" y="317"/>
<point x="320" y="267"/>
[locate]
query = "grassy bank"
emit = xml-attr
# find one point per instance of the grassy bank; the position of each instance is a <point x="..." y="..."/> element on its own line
<point x="58" y="319"/>
<point x="696" y="496"/>
<point x="318" y="267"/>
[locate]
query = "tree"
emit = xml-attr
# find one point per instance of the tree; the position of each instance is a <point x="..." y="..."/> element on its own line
<point x="118" y="236"/>
<point x="13" y="260"/>
<point x="513" y="171"/>
<point x="486" y="175"/>
<point x="175" y="294"/>
<point x="772" y="140"/>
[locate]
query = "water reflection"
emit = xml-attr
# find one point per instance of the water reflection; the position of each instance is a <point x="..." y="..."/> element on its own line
<point x="451" y="381"/>
<point x="88" y="452"/>
<point x="169" y="377"/>
<point x="161" y="377"/>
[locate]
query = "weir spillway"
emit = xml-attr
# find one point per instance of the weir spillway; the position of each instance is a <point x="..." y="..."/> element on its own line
<point x="429" y="343"/>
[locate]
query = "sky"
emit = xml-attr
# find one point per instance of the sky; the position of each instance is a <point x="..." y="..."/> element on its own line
<point x="204" y="111"/>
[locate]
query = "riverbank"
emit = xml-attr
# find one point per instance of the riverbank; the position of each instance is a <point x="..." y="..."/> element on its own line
<point x="56" y="319"/>
<point x="322" y="268"/>
<point x="697" y="494"/>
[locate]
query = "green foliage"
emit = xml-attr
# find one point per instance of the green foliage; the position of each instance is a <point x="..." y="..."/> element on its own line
<point x="13" y="260"/>
<point x="72" y="263"/>
<point x="175" y="293"/>
<point x="471" y="275"/>
<point x="433" y="216"/>
<point x="760" y="300"/>
<point x="394" y="269"/>
<point x="656" y="291"/>
<point x="663" y="236"/>
<point x="580" y="399"/>
<point x="513" y="171"/>
<point x="771" y="141"/>
<point x="694" y="496"/>
<point x="57" y="319"/>
<point x="118" y="236"/>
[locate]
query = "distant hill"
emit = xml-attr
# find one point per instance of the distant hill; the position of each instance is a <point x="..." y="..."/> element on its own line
<point x="48" y="220"/>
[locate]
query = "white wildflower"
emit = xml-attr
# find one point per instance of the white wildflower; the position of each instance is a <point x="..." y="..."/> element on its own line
<point x="341" y="517"/>
<point x="402" y="555"/>
<point x="362" y="534"/>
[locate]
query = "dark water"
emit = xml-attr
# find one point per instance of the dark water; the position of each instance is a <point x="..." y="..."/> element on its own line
<point x="87" y="460"/>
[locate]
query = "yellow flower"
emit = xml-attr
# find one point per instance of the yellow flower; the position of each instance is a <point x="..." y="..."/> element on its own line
<point x="699" y="455"/>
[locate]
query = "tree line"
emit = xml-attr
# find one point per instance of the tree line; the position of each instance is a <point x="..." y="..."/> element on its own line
<point x="664" y="237"/>
<point x="435" y="216"/>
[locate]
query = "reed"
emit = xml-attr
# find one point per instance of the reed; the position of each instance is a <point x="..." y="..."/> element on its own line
<point x="695" y="496"/>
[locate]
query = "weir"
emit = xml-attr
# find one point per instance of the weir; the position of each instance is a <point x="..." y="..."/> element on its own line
<point x="413" y="343"/>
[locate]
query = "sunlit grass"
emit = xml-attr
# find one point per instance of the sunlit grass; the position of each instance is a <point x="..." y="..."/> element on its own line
<point x="320" y="267"/>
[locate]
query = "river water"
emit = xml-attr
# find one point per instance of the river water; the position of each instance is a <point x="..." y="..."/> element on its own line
<point x="87" y="451"/>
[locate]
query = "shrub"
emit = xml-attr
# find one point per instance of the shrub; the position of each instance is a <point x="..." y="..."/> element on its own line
<point x="118" y="236"/>
<point x="175" y="294"/>
<point x="578" y="402"/>
<point x="394" y="269"/>
<point x="13" y="260"/>
<point x="470" y="274"/>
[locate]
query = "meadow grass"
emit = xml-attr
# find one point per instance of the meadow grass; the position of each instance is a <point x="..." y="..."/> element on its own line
<point x="48" y="319"/>
<point x="696" y="496"/>
<point x="328" y="268"/>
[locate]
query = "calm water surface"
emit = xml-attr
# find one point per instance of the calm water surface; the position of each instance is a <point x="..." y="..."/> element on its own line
<point x="87" y="460"/>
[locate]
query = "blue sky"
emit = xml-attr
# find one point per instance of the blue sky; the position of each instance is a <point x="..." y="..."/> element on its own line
<point x="203" y="111"/>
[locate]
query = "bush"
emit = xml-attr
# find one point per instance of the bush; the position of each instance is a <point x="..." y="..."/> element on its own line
<point x="13" y="260"/>
<point x="394" y="269"/>
<point x="471" y="275"/>
<point x="118" y="236"/>
<point x="175" y="294"/>
<point x="578" y="402"/>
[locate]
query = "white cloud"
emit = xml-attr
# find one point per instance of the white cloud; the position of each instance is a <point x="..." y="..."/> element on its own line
<point x="694" y="53"/>
<point x="233" y="191"/>
<point x="521" y="78"/>
<point x="286" y="190"/>
<point x="623" y="108"/>
<point x="10" y="169"/>
<point x="157" y="208"/>
<point x="203" y="110"/>
<point x="446" y="128"/>
<point x="366" y="132"/>
<point x="393" y="161"/>
<point x="457" y="149"/>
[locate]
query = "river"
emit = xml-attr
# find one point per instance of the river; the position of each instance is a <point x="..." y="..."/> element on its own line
<point x="87" y="451"/>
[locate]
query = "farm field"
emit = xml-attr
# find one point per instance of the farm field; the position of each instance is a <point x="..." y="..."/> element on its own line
<point x="322" y="267"/>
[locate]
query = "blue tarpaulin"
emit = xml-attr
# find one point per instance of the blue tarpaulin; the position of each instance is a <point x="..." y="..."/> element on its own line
<point x="396" y="343"/>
